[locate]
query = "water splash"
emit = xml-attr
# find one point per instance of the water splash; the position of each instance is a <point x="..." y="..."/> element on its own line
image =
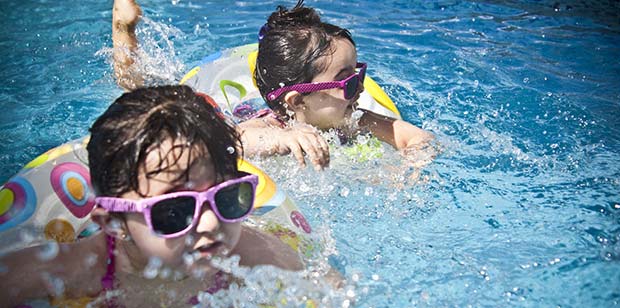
<point x="266" y="285"/>
<point x="156" y="58"/>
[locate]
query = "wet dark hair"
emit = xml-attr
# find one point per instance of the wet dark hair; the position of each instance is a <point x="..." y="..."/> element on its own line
<point x="291" y="43"/>
<point x="139" y="122"/>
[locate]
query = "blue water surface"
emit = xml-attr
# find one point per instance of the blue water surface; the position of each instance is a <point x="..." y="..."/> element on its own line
<point x="521" y="208"/>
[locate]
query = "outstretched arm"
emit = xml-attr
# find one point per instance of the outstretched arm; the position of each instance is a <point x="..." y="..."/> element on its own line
<point x="402" y="135"/>
<point x="125" y="16"/>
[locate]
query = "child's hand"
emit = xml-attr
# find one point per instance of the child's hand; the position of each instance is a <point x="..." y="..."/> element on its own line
<point x="266" y="140"/>
<point x="300" y="139"/>
<point x="125" y="17"/>
<point x="420" y="155"/>
<point x="126" y="13"/>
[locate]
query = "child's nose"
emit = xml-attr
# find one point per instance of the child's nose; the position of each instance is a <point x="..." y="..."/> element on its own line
<point x="208" y="221"/>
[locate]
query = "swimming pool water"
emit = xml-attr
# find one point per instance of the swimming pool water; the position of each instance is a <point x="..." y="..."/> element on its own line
<point x="522" y="207"/>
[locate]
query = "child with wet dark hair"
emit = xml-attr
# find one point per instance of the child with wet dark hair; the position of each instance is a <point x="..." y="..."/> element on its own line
<point x="258" y="139"/>
<point x="307" y="71"/>
<point x="169" y="196"/>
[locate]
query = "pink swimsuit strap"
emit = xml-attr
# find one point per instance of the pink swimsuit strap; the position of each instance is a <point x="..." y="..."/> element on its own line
<point x="107" y="282"/>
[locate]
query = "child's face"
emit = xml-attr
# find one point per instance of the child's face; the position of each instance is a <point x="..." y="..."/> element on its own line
<point x="327" y="108"/>
<point x="208" y="238"/>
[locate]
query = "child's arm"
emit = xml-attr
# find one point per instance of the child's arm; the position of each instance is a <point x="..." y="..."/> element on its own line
<point x="125" y="15"/>
<point x="415" y="143"/>
<point x="40" y="272"/>
<point x="20" y="273"/>
<point x="260" y="137"/>
<point x="400" y="134"/>
<point x="259" y="248"/>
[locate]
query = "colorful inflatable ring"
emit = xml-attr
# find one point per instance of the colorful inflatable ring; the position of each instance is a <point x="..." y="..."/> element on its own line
<point x="51" y="199"/>
<point x="227" y="76"/>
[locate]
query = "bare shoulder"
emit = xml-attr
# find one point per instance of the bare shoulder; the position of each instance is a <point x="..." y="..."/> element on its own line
<point x="257" y="247"/>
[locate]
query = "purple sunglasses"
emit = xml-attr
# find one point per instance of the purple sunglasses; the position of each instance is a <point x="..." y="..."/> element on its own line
<point x="175" y="214"/>
<point x="349" y="85"/>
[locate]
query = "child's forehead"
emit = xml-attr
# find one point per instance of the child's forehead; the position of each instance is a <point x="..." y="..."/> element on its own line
<point x="343" y="56"/>
<point x="174" y="158"/>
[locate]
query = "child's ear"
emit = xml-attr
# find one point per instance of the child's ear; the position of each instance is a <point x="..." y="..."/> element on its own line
<point x="294" y="100"/>
<point x="111" y="225"/>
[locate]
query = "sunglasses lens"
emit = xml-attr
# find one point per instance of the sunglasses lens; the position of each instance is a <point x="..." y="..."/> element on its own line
<point x="351" y="87"/>
<point x="362" y="74"/>
<point x="235" y="201"/>
<point x="173" y="215"/>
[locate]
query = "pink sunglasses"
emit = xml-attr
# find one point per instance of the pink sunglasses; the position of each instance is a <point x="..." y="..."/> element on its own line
<point x="175" y="214"/>
<point x="350" y="85"/>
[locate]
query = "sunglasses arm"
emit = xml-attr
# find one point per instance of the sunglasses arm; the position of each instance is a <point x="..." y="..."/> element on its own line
<point x="119" y="205"/>
<point x="305" y="88"/>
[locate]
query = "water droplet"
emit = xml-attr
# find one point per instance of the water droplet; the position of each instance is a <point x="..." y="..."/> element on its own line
<point x="362" y="139"/>
<point x="189" y="240"/>
<point x="115" y="224"/>
<point x="190" y="185"/>
<point x="48" y="251"/>
<point x="57" y="284"/>
<point x="178" y="276"/>
<point x="165" y="273"/>
<point x="151" y="270"/>
<point x="188" y="259"/>
<point x="198" y="273"/>
<point x="344" y="192"/>
<point x="356" y="115"/>
<point x="27" y="236"/>
<point x="90" y="260"/>
<point x="350" y="293"/>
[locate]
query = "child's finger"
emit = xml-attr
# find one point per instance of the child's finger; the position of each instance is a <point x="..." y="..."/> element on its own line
<point x="324" y="149"/>
<point x="298" y="153"/>
<point x="311" y="150"/>
<point x="321" y="149"/>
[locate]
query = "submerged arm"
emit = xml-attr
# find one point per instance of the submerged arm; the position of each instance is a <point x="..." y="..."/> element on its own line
<point x="398" y="133"/>
<point x="125" y="16"/>
<point x="41" y="272"/>
<point x="259" y="248"/>
<point x="402" y="135"/>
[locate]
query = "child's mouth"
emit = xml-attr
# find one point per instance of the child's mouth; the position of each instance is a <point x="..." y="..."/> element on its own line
<point x="210" y="250"/>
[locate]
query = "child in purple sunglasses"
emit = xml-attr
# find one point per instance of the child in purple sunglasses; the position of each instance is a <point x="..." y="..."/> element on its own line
<point x="307" y="71"/>
<point x="258" y="138"/>
<point x="170" y="197"/>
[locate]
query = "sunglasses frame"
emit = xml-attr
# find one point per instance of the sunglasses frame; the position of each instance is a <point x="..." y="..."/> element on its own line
<point x="318" y="86"/>
<point x="144" y="206"/>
